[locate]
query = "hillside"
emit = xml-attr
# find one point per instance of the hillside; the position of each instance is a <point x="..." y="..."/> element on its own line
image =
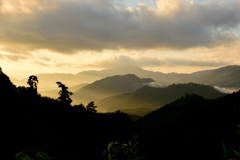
<point x="152" y="98"/>
<point x="109" y="86"/>
<point x="61" y="131"/>
<point x="228" y="76"/>
<point x="191" y="126"/>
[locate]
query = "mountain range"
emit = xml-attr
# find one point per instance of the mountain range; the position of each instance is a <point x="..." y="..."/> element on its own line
<point x="190" y="127"/>
<point x="128" y="88"/>
<point x="109" y="86"/>
<point x="147" y="99"/>
<point x="227" y="76"/>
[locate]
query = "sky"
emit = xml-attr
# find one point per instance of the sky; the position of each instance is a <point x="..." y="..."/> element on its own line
<point x="69" y="36"/>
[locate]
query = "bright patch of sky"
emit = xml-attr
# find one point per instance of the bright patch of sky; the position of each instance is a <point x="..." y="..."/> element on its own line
<point x="152" y="3"/>
<point x="134" y="3"/>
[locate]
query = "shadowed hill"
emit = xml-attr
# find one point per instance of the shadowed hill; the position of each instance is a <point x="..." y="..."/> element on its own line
<point x="108" y="87"/>
<point x="151" y="98"/>
<point x="192" y="127"/>
<point x="6" y="86"/>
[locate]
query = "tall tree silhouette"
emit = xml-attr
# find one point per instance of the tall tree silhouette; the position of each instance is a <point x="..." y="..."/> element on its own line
<point x="91" y="108"/>
<point x="64" y="97"/>
<point x="32" y="82"/>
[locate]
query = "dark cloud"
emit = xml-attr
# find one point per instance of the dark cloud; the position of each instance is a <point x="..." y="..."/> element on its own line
<point x="143" y="61"/>
<point x="98" y="24"/>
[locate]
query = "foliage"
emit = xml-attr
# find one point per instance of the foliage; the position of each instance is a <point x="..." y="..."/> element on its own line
<point x="91" y="107"/>
<point x="31" y="154"/>
<point x="227" y="150"/>
<point x="124" y="151"/>
<point x="186" y="127"/>
<point x="64" y="94"/>
<point x="32" y="82"/>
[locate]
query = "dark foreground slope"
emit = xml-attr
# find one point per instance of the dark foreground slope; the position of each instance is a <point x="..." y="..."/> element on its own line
<point x="191" y="128"/>
<point x="32" y="123"/>
<point x="149" y="98"/>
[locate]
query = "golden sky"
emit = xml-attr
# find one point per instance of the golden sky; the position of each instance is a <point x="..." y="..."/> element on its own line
<point x="47" y="36"/>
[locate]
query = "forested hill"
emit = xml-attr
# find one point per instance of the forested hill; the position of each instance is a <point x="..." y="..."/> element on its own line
<point x="32" y="124"/>
<point x="192" y="127"/>
<point x="153" y="98"/>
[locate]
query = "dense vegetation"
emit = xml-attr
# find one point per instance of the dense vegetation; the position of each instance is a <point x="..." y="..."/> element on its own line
<point x="189" y="128"/>
<point x="33" y="122"/>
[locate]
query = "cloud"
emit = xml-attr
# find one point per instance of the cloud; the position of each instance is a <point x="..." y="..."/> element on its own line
<point x="154" y="61"/>
<point x="41" y="63"/>
<point x="72" y="26"/>
<point x="156" y="85"/>
<point x="13" y="57"/>
<point x="226" y="90"/>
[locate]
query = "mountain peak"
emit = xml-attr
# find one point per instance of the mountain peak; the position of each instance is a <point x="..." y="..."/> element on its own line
<point x="110" y="86"/>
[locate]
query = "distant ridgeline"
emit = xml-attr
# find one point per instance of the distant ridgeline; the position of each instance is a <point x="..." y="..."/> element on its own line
<point x="187" y="126"/>
<point x="225" y="77"/>
<point x="147" y="99"/>
<point x="109" y="86"/>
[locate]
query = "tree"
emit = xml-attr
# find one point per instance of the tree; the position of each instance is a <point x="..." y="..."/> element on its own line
<point x="91" y="107"/>
<point x="32" y="82"/>
<point x="79" y="108"/>
<point x="64" y="94"/>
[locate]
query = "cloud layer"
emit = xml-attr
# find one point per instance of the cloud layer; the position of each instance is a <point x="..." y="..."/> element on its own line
<point x="70" y="26"/>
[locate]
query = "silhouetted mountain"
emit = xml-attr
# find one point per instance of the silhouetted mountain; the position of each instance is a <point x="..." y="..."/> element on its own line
<point x="191" y="127"/>
<point x="162" y="78"/>
<point x="108" y="87"/>
<point x="33" y="123"/>
<point x="7" y="88"/>
<point x="151" y="98"/>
